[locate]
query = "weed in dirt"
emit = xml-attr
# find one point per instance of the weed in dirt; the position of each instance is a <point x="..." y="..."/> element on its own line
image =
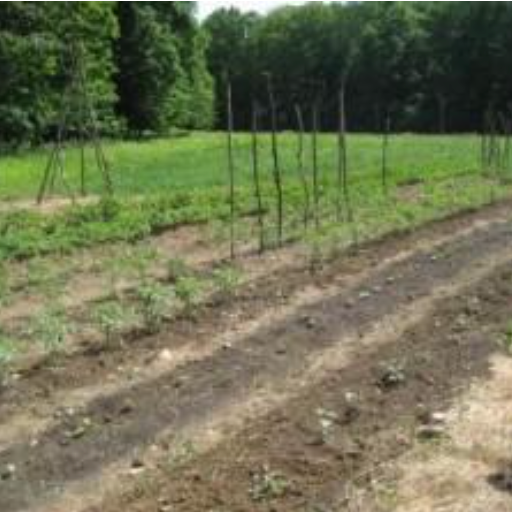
<point x="112" y="319"/>
<point x="141" y="260"/>
<point x="51" y="328"/>
<point x="392" y="375"/>
<point x="7" y="353"/>
<point x="176" y="268"/>
<point x="189" y="291"/>
<point x="268" y="485"/>
<point x="156" y="303"/>
<point x="506" y="339"/>
<point x="226" y="280"/>
<point x="179" y="455"/>
<point x="42" y="277"/>
<point x="4" y="286"/>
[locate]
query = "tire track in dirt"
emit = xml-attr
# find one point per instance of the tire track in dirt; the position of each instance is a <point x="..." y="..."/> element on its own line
<point x="273" y="354"/>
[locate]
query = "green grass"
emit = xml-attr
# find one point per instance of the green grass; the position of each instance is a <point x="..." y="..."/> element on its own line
<point x="163" y="183"/>
<point x="198" y="161"/>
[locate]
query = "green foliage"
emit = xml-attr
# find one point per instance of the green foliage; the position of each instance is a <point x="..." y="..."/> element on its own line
<point x="268" y="485"/>
<point x="189" y="291"/>
<point x="7" y="353"/>
<point x="430" y="65"/>
<point x="162" y="79"/>
<point x="34" y="56"/>
<point x="156" y="302"/>
<point x="112" y="319"/>
<point x="51" y="328"/>
<point x="176" y="268"/>
<point x="226" y="279"/>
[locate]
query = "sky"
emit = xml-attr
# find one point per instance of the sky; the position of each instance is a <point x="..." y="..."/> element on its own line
<point x="207" y="6"/>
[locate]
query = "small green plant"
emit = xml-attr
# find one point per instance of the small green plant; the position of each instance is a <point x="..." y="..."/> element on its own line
<point x="4" y="285"/>
<point x="188" y="291"/>
<point x="226" y="280"/>
<point x="112" y="318"/>
<point x="52" y="329"/>
<point x="42" y="277"/>
<point x="177" y="268"/>
<point x="506" y="340"/>
<point x="180" y="454"/>
<point x="268" y="485"/>
<point x="7" y="353"/>
<point x="156" y="303"/>
<point x="141" y="260"/>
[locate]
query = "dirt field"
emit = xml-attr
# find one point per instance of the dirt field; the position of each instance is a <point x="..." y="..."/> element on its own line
<point x="378" y="382"/>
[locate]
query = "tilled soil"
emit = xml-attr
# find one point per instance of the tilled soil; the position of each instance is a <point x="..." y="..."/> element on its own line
<point x="286" y="461"/>
<point x="311" y="428"/>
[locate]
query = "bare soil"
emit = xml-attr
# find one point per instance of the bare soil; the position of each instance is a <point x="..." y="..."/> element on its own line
<point x="283" y="397"/>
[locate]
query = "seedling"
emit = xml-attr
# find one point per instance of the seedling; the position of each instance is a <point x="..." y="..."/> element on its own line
<point x="507" y="339"/>
<point x="141" y="261"/>
<point x="6" y="356"/>
<point x="181" y="454"/>
<point x="51" y="328"/>
<point x="393" y="375"/>
<point x="268" y="485"/>
<point x="156" y="304"/>
<point x="177" y="268"/>
<point x="112" y="319"/>
<point x="189" y="290"/>
<point x="226" y="280"/>
<point x="43" y="278"/>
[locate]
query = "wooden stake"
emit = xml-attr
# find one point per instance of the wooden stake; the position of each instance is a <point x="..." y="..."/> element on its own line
<point x="276" y="169"/>
<point x="314" y="147"/>
<point x="300" y="165"/>
<point x="385" y="144"/>
<point x="342" y="155"/>
<point x="231" y="170"/>
<point x="256" y="178"/>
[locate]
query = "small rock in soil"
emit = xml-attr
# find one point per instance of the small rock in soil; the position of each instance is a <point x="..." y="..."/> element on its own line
<point x="137" y="463"/>
<point x="309" y="322"/>
<point x="165" y="356"/>
<point x="431" y="432"/>
<point x="8" y="472"/>
<point x="77" y="433"/>
<point x="502" y="480"/>
<point x="392" y="377"/>
<point x="127" y="408"/>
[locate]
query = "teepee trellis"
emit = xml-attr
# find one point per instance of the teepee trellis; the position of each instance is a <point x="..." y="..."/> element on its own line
<point x="76" y="102"/>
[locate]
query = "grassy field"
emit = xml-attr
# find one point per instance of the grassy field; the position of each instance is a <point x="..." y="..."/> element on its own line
<point x="199" y="161"/>
<point x="184" y="180"/>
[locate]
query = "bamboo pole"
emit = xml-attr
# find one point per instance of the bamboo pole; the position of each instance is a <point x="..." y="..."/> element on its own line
<point x="276" y="169"/>
<point x="256" y="177"/>
<point x="342" y="154"/>
<point x="231" y="170"/>
<point x="300" y="165"/>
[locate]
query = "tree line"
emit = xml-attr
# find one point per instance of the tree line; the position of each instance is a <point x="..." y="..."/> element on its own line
<point x="151" y="66"/>
<point x="144" y="64"/>
<point x="422" y="66"/>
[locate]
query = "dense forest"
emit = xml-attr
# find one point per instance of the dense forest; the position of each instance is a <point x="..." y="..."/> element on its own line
<point x="430" y="66"/>
<point x="144" y="64"/>
<point x="151" y="66"/>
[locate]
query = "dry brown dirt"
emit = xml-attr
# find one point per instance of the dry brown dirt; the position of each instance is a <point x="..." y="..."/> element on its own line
<point x="285" y="397"/>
